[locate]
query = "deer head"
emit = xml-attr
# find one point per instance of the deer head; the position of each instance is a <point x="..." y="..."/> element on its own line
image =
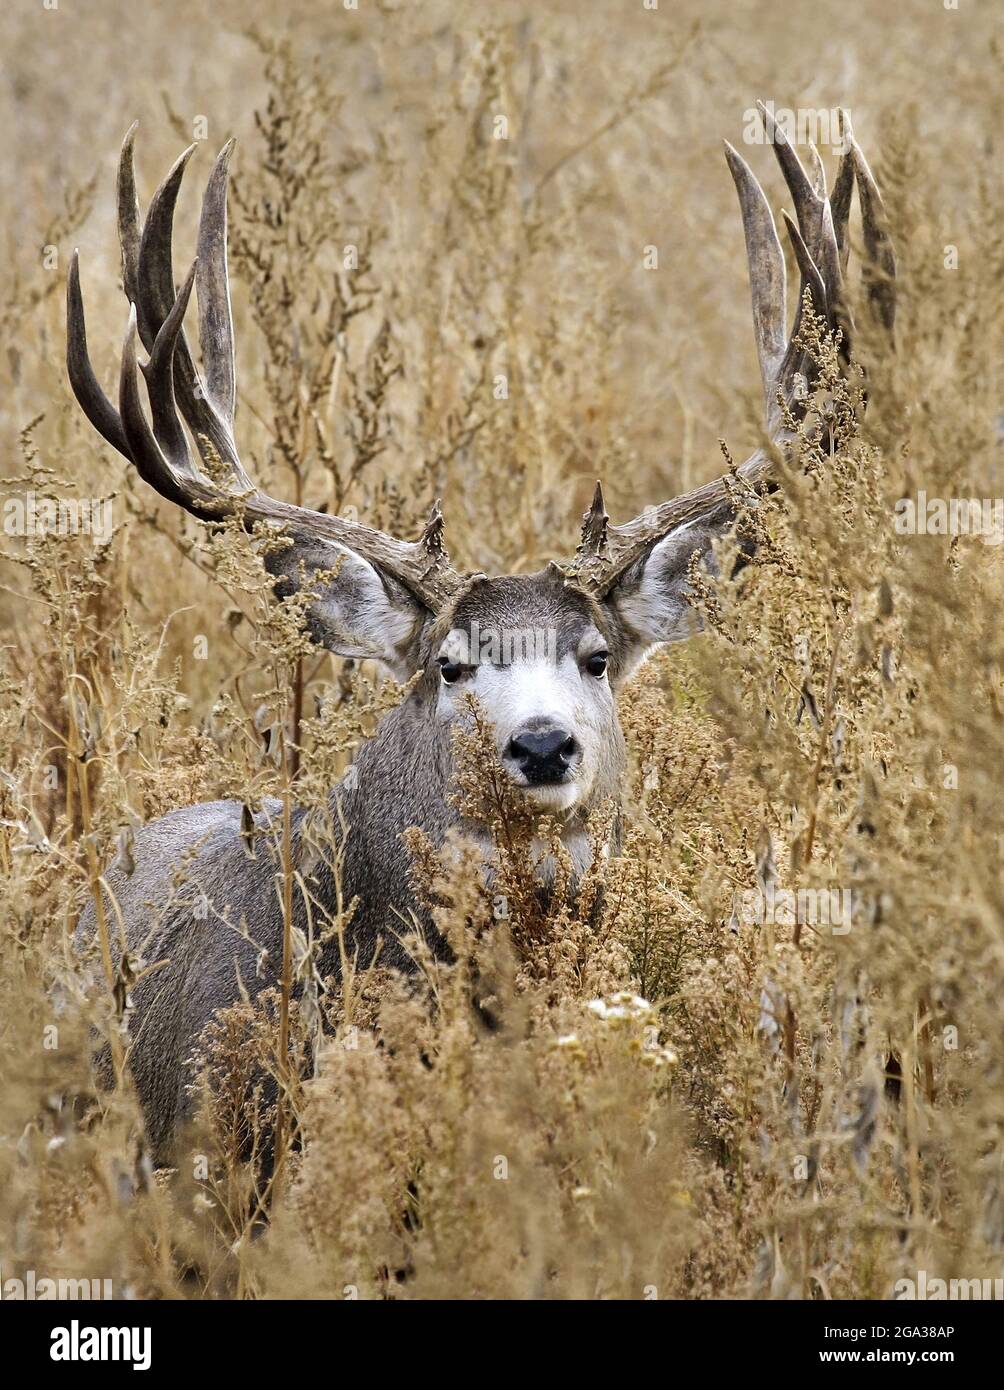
<point x="543" y="653"/>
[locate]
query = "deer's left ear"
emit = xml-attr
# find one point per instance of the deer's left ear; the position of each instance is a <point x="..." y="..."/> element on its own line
<point x="649" y="603"/>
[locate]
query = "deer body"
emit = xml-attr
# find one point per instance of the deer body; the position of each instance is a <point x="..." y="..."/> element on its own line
<point x="202" y="896"/>
<point x="543" y="654"/>
<point x="208" y="962"/>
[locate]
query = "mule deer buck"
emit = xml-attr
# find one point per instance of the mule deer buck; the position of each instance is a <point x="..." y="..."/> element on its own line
<point x="553" y="708"/>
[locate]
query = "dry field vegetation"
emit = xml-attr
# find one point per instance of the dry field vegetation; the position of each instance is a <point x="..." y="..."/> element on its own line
<point x="795" y="1113"/>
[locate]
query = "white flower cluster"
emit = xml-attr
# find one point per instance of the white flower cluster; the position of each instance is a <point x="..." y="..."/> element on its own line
<point x="621" y="1006"/>
<point x="622" y="1010"/>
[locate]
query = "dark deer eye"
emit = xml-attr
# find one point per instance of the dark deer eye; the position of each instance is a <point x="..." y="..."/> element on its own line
<point x="451" y="671"/>
<point x="597" y="664"/>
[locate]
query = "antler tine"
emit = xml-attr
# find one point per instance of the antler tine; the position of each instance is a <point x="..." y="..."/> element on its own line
<point x="128" y="216"/>
<point x="807" y="268"/>
<point x="820" y="244"/>
<point x="880" y="266"/>
<point x="818" y="256"/>
<point x="216" y="322"/>
<point x="797" y="361"/>
<point x="147" y="246"/>
<point x="818" y="172"/>
<point x="879" y="271"/>
<point x="160" y="451"/>
<point x="159" y="375"/>
<point x="812" y="208"/>
<point x="766" y="267"/>
<point x="843" y="189"/>
<point x="156" y="294"/>
<point x="144" y="448"/>
<point x="594" y="525"/>
<point x="86" y="387"/>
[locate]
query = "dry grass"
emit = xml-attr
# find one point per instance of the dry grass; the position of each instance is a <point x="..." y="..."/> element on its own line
<point x="793" y="1112"/>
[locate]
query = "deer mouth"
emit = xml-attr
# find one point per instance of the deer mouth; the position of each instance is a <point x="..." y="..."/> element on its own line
<point x="553" y="796"/>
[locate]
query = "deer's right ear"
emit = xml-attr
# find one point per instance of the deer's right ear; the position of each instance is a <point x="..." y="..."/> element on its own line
<point x="650" y="604"/>
<point x="354" y="608"/>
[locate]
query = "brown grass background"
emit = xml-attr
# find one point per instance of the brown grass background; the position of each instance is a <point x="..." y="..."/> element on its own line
<point x="524" y="257"/>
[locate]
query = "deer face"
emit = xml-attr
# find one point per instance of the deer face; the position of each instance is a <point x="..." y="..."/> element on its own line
<point x="536" y="656"/>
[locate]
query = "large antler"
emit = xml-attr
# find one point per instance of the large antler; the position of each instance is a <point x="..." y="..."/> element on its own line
<point x="820" y="244"/>
<point x="160" y="450"/>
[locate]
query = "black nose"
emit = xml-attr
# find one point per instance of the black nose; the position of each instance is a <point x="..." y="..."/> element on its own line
<point x="543" y="756"/>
